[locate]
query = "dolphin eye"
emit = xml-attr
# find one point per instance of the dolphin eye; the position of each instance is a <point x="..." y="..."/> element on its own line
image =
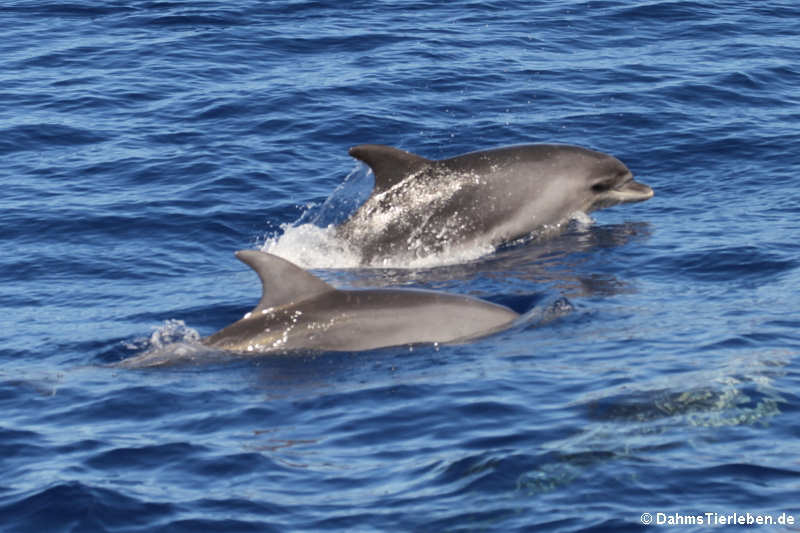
<point x="601" y="187"/>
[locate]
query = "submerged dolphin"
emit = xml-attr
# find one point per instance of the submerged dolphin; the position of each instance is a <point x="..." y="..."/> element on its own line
<point x="485" y="198"/>
<point x="299" y="311"/>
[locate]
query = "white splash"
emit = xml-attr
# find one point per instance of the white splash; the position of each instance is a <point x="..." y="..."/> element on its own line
<point x="581" y="219"/>
<point x="173" y="331"/>
<point x="310" y="246"/>
<point x="172" y="342"/>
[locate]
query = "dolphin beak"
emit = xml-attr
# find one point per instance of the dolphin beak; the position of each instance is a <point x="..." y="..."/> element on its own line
<point x="631" y="191"/>
<point x="626" y="192"/>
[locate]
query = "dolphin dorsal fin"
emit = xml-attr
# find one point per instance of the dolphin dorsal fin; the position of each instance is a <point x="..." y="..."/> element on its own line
<point x="282" y="282"/>
<point x="390" y="165"/>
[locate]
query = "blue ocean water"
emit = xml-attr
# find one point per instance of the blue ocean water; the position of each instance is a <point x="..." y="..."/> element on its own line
<point x="142" y="143"/>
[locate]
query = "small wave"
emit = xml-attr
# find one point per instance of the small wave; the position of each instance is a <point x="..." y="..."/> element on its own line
<point x="733" y="262"/>
<point x="45" y="135"/>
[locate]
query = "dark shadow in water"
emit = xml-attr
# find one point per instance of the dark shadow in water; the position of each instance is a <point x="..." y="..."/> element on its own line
<point x="738" y="402"/>
<point x="629" y="422"/>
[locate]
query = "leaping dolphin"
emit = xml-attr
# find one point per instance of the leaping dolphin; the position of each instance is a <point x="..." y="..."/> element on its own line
<point x="491" y="197"/>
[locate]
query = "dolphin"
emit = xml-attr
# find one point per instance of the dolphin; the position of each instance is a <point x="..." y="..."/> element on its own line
<point x="299" y="311"/>
<point x="484" y="198"/>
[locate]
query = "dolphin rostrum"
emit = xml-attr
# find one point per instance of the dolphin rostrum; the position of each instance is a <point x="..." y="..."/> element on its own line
<point x="299" y="311"/>
<point x="485" y="198"/>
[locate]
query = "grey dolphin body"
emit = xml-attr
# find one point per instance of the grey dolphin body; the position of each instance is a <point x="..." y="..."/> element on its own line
<point x="299" y="311"/>
<point x="489" y="197"/>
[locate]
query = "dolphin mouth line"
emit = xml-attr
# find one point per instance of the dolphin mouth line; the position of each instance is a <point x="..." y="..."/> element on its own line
<point x="624" y="184"/>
